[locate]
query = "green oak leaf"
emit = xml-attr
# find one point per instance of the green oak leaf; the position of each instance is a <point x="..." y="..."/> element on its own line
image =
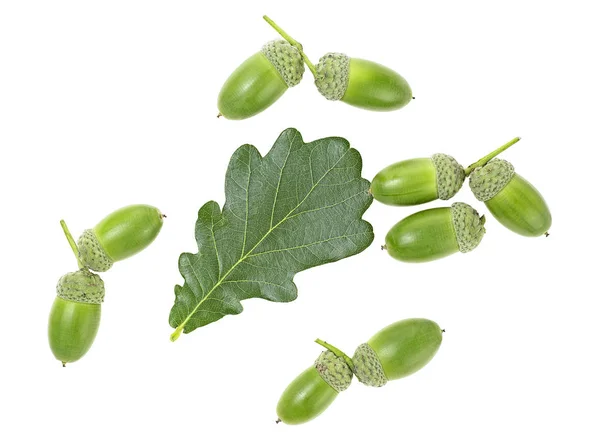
<point x="298" y="207"/>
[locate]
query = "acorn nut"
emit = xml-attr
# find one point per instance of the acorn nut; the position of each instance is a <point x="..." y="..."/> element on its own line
<point x="119" y="235"/>
<point x="435" y="233"/>
<point x="396" y="351"/>
<point x="418" y="181"/>
<point x="260" y="80"/>
<point x="75" y="315"/>
<point x="511" y="199"/>
<point x="361" y="83"/>
<point x="314" y="389"/>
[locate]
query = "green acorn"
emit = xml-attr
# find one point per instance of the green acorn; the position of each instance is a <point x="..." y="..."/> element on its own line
<point x="75" y="315"/>
<point x="418" y="181"/>
<point x="396" y="351"/>
<point x="314" y="389"/>
<point x="119" y="235"/>
<point x="435" y="233"/>
<point x="260" y="80"/>
<point x="511" y="199"/>
<point x="361" y="83"/>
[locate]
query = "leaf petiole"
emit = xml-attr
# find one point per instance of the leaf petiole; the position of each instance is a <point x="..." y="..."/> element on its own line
<point x="175" y="335"/>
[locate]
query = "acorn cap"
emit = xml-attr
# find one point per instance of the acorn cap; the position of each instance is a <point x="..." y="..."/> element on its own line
<point x="92" y="253"/>
<point x="449" y="175"/>
<point x="286" y="59"/>
<point x="487" y="181"/>
<point x="367" y="366"/>
<point x="81" y="286"/>
<point x="334" y="370"/>
<point x="468" y="226"/>
<point x="333" y="73"/>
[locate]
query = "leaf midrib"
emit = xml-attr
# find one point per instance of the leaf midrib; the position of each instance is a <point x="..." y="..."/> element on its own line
<point x="243" y="258"/>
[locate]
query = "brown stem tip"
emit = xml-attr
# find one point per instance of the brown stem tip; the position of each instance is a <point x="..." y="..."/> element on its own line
<point x="64" y="364"/>
<point x="547" y="234"/>
<point x="278" y="421"/>
<point x="219" y="115"/>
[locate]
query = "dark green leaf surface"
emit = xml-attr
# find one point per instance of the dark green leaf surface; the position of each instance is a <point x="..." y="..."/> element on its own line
<point x="298" y="207"/>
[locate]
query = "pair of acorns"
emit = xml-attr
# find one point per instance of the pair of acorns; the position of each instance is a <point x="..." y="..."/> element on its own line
<point x="264" y="77"/>
<point x="398" y="350"/>
<point x="75" y="315"/>
<point x="435" y="233"/>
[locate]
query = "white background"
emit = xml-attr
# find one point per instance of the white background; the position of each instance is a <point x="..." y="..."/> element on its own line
<point x="104" y="104"/>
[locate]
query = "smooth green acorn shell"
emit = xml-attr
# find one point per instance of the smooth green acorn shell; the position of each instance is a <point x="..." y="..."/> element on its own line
<point x="418" y="181"/>
<point x="361" y="83"/>
<point x="400" y="349"/>
<point x="260" y="80"/>
<point x="511" y="199"/>
<point x="305" y="398"/>
<point x="75" y="315"/>
<point x="121" y="234"/>
<point x="435" y="233"/>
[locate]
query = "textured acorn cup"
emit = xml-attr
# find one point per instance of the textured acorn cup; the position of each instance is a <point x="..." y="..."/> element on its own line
<point x="396" y="351"/>
<point x="75" y="315"/>
<point x="361" y="83"/>
<point x="314" y="389"/>
<point x="260" y="80"/>
<point x="418" y="181"/>
<point x="435" y="233"/>
<point x="119" y="235"/>
<point x="511" y="199"/>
